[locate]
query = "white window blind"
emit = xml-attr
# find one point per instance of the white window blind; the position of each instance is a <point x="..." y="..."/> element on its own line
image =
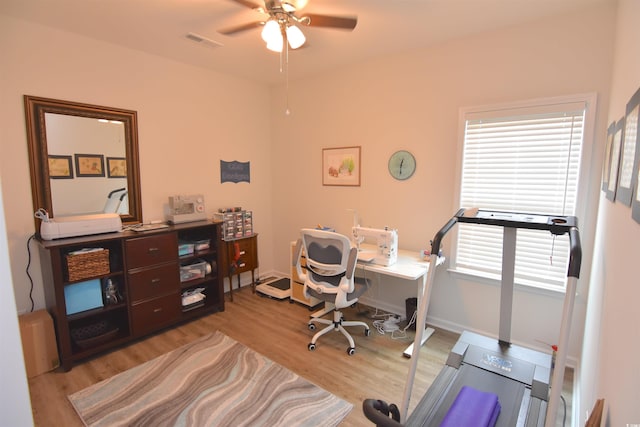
<point x="520" y="160"/>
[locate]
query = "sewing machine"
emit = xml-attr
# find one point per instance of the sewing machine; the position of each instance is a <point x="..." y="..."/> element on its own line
<point x="383" y="249"/>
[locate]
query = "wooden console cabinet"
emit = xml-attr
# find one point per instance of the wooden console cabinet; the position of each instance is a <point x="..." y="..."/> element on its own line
<point x="241" y="255"/>
<point x="145" y="268"/>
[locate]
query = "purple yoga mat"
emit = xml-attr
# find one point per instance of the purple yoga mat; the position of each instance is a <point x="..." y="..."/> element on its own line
<point x="472" y="408"/>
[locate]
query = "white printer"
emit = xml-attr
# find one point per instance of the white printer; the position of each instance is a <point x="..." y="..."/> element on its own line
<point x="77" y="225"/>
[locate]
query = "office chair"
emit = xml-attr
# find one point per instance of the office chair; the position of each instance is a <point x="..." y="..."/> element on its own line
<point x="329" y="276"/>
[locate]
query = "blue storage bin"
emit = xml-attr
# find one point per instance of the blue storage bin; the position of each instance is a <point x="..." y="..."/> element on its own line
<point x="83" y="296"/>
<point x="185" y="248"/>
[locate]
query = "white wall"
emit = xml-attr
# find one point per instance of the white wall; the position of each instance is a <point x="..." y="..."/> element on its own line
<point x="609" y="367"/>
<point x="188" y="120"/>
<point x="411" y="101"/>
<point x="15" y="405"/>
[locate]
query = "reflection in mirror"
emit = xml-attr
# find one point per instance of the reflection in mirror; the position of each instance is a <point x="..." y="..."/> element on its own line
<point x="99" y="139"/>
<point x="83" y="158"/>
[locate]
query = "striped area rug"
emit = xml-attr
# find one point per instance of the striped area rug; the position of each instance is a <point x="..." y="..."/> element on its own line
<point x="214" y="381"/>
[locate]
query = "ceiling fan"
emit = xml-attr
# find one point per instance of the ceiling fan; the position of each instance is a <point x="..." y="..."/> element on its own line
<point x="281" y="26"/>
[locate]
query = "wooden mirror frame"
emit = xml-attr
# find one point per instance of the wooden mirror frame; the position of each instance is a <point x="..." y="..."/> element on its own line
<point x="35" y="109"/>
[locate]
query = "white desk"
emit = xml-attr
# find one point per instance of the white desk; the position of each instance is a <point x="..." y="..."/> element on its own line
<point x="408" y="267"/>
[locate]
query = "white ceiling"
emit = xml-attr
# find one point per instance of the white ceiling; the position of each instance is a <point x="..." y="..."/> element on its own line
<point x="384" y="27"/>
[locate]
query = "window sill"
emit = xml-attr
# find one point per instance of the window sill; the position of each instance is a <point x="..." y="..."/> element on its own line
<point x="494" y="280"/>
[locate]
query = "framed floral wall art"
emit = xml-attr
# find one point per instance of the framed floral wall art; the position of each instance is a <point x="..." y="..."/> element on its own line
<point x="341" y="166"/>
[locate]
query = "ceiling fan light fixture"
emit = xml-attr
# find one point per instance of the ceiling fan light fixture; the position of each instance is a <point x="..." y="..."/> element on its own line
<point x="271" y="31"/>
<point x="295" y="37"/>
<point x="276" y="44"/>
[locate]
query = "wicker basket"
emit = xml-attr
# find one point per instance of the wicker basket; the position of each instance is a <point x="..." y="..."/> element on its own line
<point x="89" y="264"/>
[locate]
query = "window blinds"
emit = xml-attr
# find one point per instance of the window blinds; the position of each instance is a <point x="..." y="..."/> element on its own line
<point x="520" y="160"/>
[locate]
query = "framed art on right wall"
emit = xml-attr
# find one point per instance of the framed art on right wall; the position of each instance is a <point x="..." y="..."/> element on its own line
<point x="628" y="158"/>
<point x="614" y="159"/>
<point x="632" y="128"/>
<point x="606" y="169"/>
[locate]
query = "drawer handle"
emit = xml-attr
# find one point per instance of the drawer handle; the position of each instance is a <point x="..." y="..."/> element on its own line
<point x="242" y="265"/>
<point x="155" y="281"/>
<point x="242" y="252"/>
<point x="157" y="310"/>
<point x="153" y="250"/>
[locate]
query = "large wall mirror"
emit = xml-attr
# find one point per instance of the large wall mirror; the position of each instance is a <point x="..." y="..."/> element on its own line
<point x="83" y="159"/>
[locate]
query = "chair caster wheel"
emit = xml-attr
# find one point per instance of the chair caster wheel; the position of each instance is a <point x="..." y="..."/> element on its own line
<point x="311" y="326"/>
<point x="311" y="346"/>
<point x="351" y="351"/>
<point x="367" y="332"/>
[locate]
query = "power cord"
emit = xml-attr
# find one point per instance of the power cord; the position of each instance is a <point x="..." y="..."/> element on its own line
<point x="33" y="236"/>
<point x="386" y="322"/>
<point x="389" y="323"/>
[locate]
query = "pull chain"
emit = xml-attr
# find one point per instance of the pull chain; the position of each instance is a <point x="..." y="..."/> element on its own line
<point x="286" y="77"/>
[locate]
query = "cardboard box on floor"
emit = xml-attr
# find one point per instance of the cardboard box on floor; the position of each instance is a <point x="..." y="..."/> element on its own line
<point x="38" y="343"/>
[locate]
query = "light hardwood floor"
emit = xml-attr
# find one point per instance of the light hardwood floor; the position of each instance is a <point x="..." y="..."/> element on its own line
<point x="278" y="330"/>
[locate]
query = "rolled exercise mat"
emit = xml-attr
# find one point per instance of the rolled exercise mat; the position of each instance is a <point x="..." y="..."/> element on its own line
<point x="472" y="408"/>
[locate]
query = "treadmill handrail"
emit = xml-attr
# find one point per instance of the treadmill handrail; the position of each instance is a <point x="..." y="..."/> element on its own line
<point x="437" y="239"/>
<point x="575" y="253"/>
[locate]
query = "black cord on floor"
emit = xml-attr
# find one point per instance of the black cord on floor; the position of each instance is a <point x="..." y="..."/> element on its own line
<point x="564" y="403"/>
<point x="33" y="236"/>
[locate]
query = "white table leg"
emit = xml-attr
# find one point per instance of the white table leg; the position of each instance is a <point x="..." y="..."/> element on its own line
<point x="425" y="336"/>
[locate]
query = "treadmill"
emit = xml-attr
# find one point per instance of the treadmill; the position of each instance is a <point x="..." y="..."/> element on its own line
<point x="520" y="377"/>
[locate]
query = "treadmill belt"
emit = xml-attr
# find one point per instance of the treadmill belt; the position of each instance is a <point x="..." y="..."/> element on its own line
<point x="509" y="393"/>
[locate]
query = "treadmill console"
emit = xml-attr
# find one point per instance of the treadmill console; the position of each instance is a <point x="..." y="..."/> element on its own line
<point x="526" y="366"/>
<point x="555" y="224"/>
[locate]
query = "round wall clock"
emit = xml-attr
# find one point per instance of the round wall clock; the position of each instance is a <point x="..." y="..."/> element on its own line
<point x="402" y="165"/>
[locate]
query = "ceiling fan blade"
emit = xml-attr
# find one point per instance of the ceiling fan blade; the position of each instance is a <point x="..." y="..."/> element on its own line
<point x="341" y="22"/>
<point x="239" y="28"/>
<point x="249" y="4"/>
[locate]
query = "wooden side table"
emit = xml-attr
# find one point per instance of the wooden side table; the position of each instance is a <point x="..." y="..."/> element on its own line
<point x="241" y="255"/>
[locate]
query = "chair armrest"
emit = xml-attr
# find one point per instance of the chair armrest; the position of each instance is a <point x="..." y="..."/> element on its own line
<point x="351" y="265"/>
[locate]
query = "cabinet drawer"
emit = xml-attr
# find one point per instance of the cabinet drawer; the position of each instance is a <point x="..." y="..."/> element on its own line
<point x="247" y="250"/>
<point x="145" y="251"/>
<point x="154" y="314"/>
<point x="244" y="264"/>
<point x="154" y="282"/>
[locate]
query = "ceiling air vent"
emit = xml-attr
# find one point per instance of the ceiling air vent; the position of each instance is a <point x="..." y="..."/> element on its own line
<point x="203" y="40"/>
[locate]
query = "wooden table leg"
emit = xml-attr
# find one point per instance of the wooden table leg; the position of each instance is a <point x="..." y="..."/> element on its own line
<point x="253" y="282"/>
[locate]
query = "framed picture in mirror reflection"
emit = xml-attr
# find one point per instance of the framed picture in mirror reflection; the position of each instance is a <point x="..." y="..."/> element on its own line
<point x="89" y="165"/>
<point x="116" y="167"/>
<point x="60" y="167"/>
